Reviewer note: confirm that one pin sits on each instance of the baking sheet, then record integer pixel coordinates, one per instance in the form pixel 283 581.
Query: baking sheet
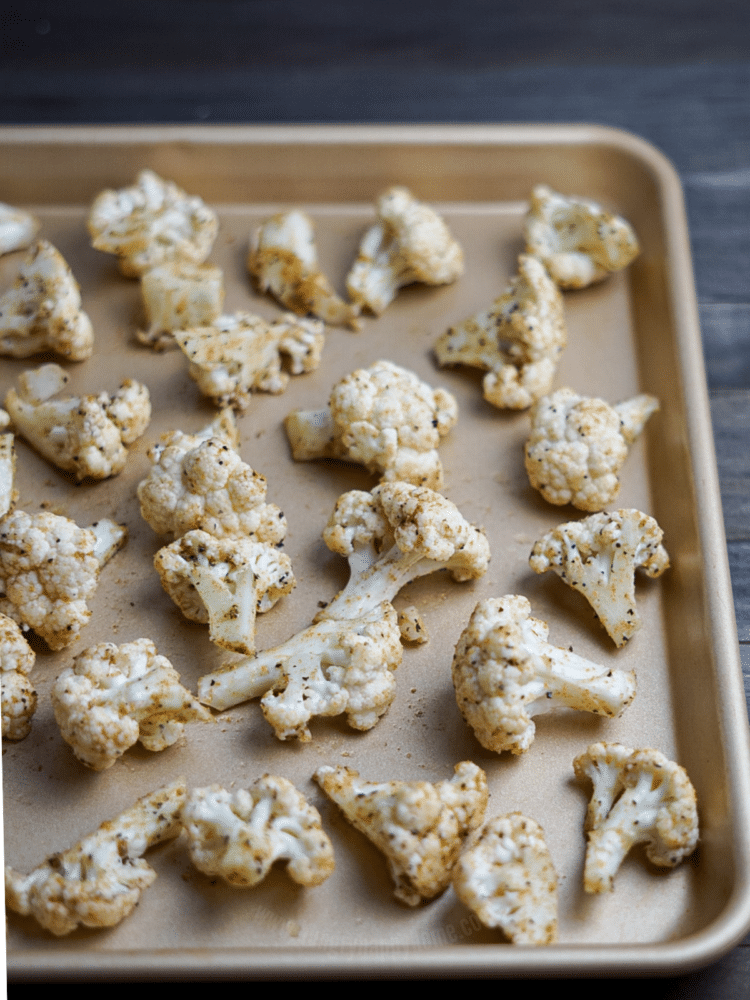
pixel 635 332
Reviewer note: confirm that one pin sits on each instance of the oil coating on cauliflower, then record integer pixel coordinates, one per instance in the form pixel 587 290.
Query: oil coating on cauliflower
pixel 240 835
pixel 383 417
pixel 419 826
pixel 99 880
pixel 85 435
pixel 517 340
pixel 410 242
pixel 112 697
pixel 150 223
pixel 18 695
pixel 578 445
pixel 178 296
pixel 238 355
pixel 578 242
pixel 42 311
pixel 17 228
pixel 508 879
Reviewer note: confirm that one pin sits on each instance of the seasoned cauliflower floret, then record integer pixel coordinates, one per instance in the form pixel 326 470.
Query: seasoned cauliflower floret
pixel 578 445
pixel 99 880
pixel 151 223
pixel 8 495
pixel 18 696
pixel 517 341
pixel 178 296
pixel 411 626
pixel 238 355
pixel 42 311
pixel 283 260
pixel 112 697
pixel 239 835
pixel 578 242
pixel 383 417
pixel 409 242
pixel 419 826
pixel 17 228
pixel 508 879
pixel 85 435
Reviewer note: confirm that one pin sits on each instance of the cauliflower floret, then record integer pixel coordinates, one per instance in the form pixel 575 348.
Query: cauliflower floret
pixel 578 445
pixel 598 557
pixel 178 296
pixel 412 626
pixel 639 797
pixel 283 260
pixel 112 697
pixel 384 417
pixel 419 826
pixel 508 879
pixel 8 495
pixel 18 696
pixel 238 355
pixel 99 880
pixel 151 223
pixel 576 239
pixel 225 582
pixel 81 434
pixel 42 311
pixel 49 567
pixel 239 835
pixel 409 242
pixel 17 228
pixel 505 672
pixel 517 341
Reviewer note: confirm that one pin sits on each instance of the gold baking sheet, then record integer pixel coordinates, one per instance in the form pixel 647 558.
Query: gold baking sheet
pixel 636 332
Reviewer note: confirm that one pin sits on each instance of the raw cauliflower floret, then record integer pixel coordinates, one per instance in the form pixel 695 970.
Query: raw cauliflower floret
pixel 383 417
pixel 409 242
pixel 508 879
pixel 178 296
pixel 151 223
pixel 99 880
pixel 578 445
pixel 42 311
pixel 283 260
pixel 85 435
pixel 578 242
pixel 419 826
pixel 114 696
pixel 640 796
pixel 598 557
pixel 505 672
pixel 224 582
pixel 239 835
pixel 517 341
pixel 17 228
pixel 49 567
pixel 238 355
pixel 18 695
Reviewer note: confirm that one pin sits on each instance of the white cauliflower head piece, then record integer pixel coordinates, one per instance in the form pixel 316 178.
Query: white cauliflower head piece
pixel 18 696
pixel 98 881
pixel 42 310
pixel 508 879
pixel 17 228
pixel 578 242
pixel 178 296
pixel 114 696
pixel 239 835
pixel 150 223
pixel 420 827
pixel 8 494
pixel 578 445
pixel 383 417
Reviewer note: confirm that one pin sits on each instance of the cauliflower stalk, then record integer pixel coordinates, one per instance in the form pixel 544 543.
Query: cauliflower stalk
pixel 578 445
pixel 99 880
pixel 385 418
pixel 410 242
pixel 640 797
pixel 240 835
pixel 419 826
pixel 179 296
pixel 114 696
pixel 18 695
pixel 17 228
pixel 598 557
pixel 505 672
pixel 517 340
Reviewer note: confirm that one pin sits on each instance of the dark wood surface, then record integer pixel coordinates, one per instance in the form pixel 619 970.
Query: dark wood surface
pixel 676 72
